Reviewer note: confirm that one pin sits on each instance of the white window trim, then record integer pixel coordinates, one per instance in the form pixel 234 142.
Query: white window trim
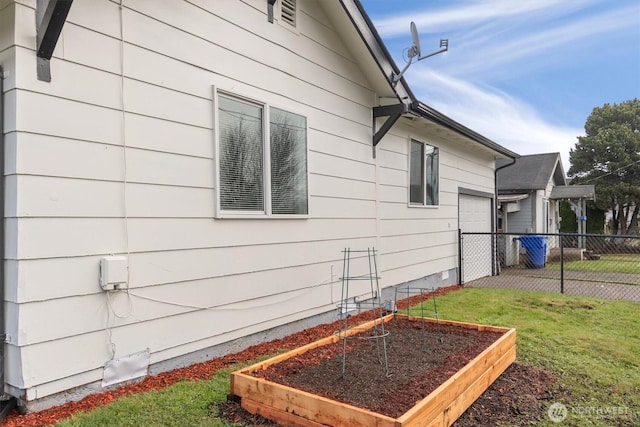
pixel 415 205
pixel 220 213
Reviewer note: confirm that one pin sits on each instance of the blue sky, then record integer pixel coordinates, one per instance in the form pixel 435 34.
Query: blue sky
pixel 525 74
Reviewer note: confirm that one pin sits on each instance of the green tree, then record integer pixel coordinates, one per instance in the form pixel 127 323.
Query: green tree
pixel 569 224
pixel 595 219
pixel 608 156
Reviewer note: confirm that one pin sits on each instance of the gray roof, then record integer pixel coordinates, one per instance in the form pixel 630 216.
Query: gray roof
pixel 531 172
pixel 564 192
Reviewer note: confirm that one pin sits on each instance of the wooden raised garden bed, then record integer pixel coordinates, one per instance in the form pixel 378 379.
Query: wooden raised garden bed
pixel 441 407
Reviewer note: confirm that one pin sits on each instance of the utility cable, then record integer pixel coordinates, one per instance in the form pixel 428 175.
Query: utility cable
pixel 110 308
pixel 226 307
pixel 614 171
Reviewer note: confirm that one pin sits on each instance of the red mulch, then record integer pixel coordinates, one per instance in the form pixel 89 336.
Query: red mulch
pixel 199 371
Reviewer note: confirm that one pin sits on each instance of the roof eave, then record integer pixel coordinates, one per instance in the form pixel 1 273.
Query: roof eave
pixel 421 109
pixel 361 21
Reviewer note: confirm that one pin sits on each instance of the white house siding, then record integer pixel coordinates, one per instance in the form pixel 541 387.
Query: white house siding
pixel 553 214
pixel 421 241
pixel 543 222
pixel 194 281
pixel 7 40
pixel 541 197
pixel 116 156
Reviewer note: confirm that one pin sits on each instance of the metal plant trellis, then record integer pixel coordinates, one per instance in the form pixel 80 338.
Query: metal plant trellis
pixel 350 303
pixel 408 292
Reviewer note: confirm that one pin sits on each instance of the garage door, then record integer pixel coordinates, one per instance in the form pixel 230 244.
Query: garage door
pixel 474 216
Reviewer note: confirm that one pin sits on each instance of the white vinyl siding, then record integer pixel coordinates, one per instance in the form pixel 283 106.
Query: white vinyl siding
pixel 135 174
pixel 422 242
pixel 117 155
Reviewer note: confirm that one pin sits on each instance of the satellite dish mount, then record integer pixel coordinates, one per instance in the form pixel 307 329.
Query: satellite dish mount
pixel 414 53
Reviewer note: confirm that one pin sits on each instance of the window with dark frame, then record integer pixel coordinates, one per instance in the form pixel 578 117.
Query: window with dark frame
pixel 259 174
pixel 423 174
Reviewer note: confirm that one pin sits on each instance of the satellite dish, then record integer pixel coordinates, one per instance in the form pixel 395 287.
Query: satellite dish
pixel 415 49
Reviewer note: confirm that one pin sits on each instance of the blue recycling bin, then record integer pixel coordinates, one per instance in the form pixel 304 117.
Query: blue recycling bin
pixel 536 247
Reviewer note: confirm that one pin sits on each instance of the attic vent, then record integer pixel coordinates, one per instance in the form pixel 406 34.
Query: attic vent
pixel 288 12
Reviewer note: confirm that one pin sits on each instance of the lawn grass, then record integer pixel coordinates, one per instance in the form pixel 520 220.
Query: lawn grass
pixel 593 346
pixel 616 263
pixel 186 403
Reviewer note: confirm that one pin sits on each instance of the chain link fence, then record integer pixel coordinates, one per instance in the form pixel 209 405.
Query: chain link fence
pixel 594 265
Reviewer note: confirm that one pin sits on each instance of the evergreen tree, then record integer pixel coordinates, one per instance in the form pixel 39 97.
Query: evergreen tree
pixel 608 156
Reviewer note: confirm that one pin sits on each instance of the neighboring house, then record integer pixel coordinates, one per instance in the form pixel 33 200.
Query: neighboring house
pixel 206 162
pixel 530 189
pixel 524 193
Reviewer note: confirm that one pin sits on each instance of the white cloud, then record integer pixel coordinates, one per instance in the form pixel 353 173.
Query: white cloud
pixel 536 47
pixel 489 51
pixel 459 17
pixel 494 114
pixel 486 37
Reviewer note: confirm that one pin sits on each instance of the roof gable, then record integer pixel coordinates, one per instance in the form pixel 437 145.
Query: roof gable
pixel 532 172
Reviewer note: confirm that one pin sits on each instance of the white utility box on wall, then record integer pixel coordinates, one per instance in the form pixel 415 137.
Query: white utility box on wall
pixel 113 272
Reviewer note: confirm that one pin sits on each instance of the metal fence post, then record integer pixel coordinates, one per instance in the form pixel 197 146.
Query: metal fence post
pixel 494 253
pixel 561 263
pixel 460 257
